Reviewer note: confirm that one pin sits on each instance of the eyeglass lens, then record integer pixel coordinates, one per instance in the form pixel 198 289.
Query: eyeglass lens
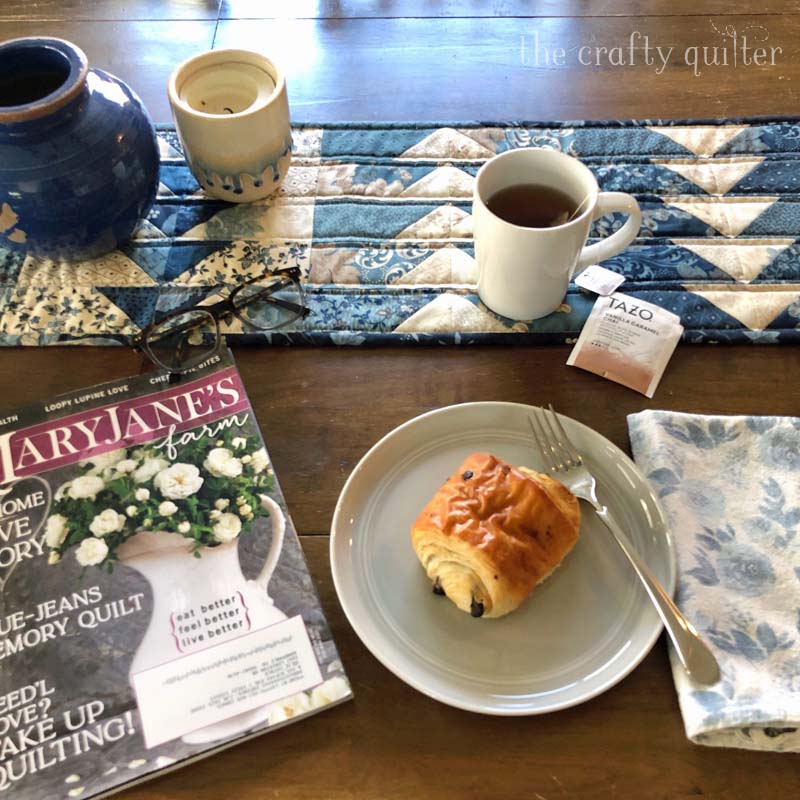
pixel 183 341
pixel 272 303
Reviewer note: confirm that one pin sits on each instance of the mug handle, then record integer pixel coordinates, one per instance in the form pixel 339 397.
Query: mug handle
pixel 278 529
pixel 608 202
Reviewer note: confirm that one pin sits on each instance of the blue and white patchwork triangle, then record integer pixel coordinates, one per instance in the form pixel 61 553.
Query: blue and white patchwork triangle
pixel 377 217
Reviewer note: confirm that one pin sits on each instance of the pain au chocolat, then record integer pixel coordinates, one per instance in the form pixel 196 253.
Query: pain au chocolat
pixel 492 532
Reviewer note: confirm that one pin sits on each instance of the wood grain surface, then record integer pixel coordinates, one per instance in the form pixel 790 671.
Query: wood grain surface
pixel 141 53
pixel 486 69
pixel 134 10
pixel 385 9
pixel 321 409
pixel 391 9
pixel 466 68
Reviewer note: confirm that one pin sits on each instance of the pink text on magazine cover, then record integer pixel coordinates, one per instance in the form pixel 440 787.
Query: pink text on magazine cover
pixel 168 416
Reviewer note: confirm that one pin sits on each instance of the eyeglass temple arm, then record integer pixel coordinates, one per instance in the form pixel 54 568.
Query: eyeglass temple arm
pixel 266 294
pixel 182 346
pixel 120 338
pixel 288 305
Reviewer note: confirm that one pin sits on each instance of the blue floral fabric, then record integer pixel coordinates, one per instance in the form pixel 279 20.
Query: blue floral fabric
pixel 378 219
pixel 730 487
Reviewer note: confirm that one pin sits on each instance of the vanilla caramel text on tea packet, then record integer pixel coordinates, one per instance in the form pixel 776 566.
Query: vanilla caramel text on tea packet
pixel 627 341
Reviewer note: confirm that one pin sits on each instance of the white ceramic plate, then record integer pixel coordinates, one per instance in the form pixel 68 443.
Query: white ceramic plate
pixel 578 633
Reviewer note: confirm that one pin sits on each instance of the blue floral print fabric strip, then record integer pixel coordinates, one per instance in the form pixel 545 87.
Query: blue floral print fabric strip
pixel 378 219
pixel 730 487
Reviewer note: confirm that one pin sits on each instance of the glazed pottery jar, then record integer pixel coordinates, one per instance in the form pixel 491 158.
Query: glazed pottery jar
pixel 232 116
pixel 78 153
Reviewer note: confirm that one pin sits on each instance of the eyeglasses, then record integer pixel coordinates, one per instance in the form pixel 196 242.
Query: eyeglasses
pixel 182 340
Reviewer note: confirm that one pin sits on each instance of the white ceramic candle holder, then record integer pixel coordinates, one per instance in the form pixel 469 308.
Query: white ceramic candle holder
pixel 232 115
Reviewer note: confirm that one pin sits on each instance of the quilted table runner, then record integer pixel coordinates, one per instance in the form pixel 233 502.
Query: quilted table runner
pixel 377 216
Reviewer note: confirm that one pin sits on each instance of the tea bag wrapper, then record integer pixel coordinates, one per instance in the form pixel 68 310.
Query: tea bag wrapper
pixel 599 280
pixel 627 341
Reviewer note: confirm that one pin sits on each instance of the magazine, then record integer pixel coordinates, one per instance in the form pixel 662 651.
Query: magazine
pixel 155 604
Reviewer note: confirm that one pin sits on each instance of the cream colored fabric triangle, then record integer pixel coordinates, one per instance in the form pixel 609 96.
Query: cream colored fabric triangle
pixel 730 216
pixel 715 176
pixel 448 265
pixel 78 311
pixel 306 143
pixel 449 313
pixel 702 140
pixel 754 306
pixel 112 269
pixel 226 265
pixel 444 222
pixel 447 143
pixel 333 264
pixel 262 220
pixel 164 190
pixel 744 261
pixel 442 182
pixel 336 180
pixel 146 230
pixel 166 151
pixel 486 137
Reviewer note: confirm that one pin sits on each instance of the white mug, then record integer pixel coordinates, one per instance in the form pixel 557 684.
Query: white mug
pixel 232 116
pixel 523 273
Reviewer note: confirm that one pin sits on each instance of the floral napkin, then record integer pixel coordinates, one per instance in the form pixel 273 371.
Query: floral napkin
pixel 730 487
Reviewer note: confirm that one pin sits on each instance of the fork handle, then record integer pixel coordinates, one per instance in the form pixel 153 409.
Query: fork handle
pixel 693 653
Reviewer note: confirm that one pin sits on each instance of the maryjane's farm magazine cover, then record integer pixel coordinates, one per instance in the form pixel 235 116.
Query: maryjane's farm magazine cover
pixel 155 604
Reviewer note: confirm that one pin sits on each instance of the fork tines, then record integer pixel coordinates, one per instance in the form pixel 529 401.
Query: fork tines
pixel 557 451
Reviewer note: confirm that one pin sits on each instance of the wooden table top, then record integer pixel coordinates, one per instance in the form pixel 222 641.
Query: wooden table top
pixel 321 409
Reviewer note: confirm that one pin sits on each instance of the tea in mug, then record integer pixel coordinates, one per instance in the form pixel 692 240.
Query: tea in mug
pixel 532 205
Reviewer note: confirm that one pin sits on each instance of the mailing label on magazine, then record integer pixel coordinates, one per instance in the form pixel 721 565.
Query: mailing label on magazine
pixel 220 682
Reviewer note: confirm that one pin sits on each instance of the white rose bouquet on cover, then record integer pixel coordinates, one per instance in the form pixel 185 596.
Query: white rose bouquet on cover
pixel 209 494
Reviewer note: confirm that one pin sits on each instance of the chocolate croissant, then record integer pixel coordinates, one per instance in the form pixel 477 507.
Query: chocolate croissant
pixel 493 532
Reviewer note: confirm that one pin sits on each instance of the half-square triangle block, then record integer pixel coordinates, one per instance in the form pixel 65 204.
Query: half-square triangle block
pixel 442 182
pixel 743 260
pixel 730 216
pixel 448 265
pixel 702 140
pixel 449 313
pixel 754 306
pixel 444 222
pixel 447 143
pixel 111 269
pixel 715 176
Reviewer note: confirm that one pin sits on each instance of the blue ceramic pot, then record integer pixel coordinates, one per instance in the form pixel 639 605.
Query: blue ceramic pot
pixel 78 153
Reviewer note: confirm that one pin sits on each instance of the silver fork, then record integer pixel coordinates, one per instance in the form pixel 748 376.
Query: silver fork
pixel 565 462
